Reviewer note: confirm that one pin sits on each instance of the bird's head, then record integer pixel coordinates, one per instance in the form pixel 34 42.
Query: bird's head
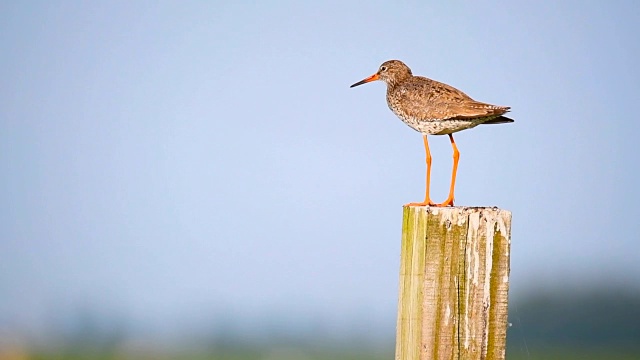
pixel 390 72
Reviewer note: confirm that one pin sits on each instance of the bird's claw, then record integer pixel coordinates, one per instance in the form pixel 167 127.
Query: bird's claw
pixel 448 202
pixel 426 203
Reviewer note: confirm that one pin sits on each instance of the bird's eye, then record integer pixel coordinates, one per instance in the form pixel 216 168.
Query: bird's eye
pixel 383 68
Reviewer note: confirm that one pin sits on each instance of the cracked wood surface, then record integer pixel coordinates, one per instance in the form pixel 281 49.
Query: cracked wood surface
pixel 454 282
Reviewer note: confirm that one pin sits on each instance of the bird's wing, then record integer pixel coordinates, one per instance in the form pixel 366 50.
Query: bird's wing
pixel 432 100
pixel 428 99
pixel 474 109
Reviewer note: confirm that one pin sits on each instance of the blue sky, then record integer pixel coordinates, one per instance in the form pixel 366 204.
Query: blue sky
pixel 169 160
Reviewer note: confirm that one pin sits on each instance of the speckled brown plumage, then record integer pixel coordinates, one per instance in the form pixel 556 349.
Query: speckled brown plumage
pixel 429 106
pixel 433 108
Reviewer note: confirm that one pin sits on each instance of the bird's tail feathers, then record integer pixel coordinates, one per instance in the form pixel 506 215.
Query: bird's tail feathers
pixel 499 120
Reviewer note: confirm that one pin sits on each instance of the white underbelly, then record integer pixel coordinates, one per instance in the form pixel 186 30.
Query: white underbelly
pixel 442 127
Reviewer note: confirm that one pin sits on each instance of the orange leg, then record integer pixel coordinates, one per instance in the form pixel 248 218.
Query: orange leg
pixel 427 200
pixel 456 156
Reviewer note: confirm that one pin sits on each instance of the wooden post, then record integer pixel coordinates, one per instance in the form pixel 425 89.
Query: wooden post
pixel 454 282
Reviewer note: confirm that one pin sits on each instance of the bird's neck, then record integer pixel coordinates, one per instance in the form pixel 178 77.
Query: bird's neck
pixel 392 83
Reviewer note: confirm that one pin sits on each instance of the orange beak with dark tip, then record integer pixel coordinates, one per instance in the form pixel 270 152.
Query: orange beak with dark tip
pixel 371 78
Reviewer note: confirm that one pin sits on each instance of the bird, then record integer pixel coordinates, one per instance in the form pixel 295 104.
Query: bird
pixel 433 108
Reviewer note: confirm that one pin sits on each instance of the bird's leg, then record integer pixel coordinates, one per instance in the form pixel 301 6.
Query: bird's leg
pixel 456 156
pixel 427 200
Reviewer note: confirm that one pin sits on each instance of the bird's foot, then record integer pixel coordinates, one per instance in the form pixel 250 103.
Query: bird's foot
pixel 425 203
pixel 448 202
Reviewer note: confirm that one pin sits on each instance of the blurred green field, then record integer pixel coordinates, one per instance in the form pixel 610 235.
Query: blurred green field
pixel 600 324
pixel 575 354
pixel 302 354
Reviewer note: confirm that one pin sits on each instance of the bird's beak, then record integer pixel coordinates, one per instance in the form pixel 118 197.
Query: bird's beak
pixel 371 78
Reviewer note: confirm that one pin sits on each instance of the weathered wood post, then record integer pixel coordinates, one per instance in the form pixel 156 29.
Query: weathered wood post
pixel 454 282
